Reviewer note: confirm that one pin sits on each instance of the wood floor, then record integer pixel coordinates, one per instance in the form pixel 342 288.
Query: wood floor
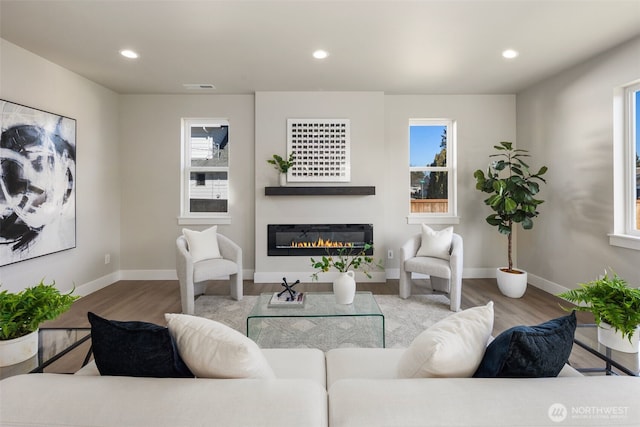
pixel 148 300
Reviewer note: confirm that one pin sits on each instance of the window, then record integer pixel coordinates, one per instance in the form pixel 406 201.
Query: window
pixel 432 169
pixel 627 167
pixel 205 169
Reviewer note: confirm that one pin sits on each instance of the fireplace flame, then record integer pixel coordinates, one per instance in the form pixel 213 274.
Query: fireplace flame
pixel 321 243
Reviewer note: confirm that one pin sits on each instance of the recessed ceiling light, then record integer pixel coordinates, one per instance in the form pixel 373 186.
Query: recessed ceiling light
pixel 510 54
pixel 320 54
pixel 128 53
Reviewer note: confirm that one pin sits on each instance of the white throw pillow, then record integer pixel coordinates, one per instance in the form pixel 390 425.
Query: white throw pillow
pixel 203 244
pixel 451 348
pixel 213 350
pixel 436 244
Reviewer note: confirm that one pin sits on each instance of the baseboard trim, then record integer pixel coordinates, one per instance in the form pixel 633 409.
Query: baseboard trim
pixel 546 285
pixel 271 277
pixel 148 275
pixel 96 285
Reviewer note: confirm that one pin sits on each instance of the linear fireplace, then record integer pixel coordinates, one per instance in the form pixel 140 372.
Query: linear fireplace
pixel 317 239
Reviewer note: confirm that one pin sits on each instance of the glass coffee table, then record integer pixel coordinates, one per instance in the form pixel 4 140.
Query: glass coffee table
pixel 53 345
pixel 320 323
pixel 615 362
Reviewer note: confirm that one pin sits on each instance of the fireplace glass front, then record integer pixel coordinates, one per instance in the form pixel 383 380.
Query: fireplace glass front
pixel 317 239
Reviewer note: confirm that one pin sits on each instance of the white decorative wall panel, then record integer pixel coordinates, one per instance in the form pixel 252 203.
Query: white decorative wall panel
pixel 322 150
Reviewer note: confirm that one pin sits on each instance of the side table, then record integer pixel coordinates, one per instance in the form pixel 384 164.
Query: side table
pixel 586 337
pixel 53 345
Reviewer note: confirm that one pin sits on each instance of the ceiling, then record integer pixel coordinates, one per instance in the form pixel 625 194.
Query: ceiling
pixel 398 47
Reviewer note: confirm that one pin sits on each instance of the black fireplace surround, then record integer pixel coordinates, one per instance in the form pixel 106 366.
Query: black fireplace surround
pixel 317 239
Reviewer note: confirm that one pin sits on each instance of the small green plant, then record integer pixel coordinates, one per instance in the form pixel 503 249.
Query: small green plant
pixel 346 259
pixel 22 313
pixel 280 164
pixel 512 187
pixel 611 301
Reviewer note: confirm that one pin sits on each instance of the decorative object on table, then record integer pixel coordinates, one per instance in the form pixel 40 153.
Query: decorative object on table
pixel 513 188
pixel 346 261
pixel 282 165
pixel 288 297
pixel 615 307
pixel 280 299
pixel 326 147
pixel 37 181
pixel 21 315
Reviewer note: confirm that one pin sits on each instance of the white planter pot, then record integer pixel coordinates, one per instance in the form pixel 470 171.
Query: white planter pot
pixel 344 288
pixel 512 285
pixel 19 349
pixel 614 339
pixel 283 179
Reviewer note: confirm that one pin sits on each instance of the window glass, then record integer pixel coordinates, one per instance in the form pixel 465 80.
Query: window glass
pixel 429 167
pixel 205 190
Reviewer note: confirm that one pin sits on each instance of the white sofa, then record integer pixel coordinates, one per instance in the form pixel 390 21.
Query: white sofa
pixel 344 387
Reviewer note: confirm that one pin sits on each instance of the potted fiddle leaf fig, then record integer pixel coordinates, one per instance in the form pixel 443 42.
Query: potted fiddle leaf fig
pixel 615 307
pixel 512 189
pixel 282 165
pixel 22 313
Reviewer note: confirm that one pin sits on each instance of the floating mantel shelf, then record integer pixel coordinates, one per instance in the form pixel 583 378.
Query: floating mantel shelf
pixel 320 191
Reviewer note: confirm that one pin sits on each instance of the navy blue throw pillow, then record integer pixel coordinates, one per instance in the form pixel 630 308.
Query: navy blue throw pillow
pixel 530 351
pixel 135 349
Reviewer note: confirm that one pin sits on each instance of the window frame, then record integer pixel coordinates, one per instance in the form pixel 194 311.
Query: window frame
pixel 186 216
pixel 625 234
pixel 451 216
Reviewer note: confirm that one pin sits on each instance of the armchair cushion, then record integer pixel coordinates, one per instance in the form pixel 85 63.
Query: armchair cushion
pixel 203 244
pixel 135 349
pixel 530 352
pixel 210 268
pixel 213 350
pixel 432 266
pixel 453 347
pixel 434 243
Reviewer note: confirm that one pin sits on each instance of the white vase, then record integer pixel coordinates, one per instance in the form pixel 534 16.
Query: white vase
pixel 18 349
pixel 283 179
pixel 613 339
pixel 512 285
pixel 344 288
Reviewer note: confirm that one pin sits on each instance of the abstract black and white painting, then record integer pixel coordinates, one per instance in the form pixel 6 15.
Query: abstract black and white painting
pixel 37 183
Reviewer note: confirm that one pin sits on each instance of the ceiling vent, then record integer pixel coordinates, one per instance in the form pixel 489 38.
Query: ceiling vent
pixel 199 86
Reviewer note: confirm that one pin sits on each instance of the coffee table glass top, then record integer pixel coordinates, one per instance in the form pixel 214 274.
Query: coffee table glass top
pixel 586 336
pixel 53 344
pixel 360 323
pixel 320 304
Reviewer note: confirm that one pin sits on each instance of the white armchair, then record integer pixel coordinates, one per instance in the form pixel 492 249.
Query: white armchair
pixel 192 276
pixel 445 275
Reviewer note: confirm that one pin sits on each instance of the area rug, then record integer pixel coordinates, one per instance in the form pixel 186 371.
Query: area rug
pixel 404 320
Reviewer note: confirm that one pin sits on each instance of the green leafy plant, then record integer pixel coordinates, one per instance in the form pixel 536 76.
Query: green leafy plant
pixel 346 259
pixel 512 187
pixel 22 313
pixel 280 164
pixel 611 301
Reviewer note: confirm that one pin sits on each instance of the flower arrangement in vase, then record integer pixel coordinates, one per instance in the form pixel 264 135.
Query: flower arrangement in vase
pixel 346 261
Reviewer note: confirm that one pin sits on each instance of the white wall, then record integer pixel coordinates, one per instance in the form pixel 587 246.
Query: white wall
pixel 30 80
pixel 567 124
pixel 368 163
pixel 481 121
pixel 150 135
